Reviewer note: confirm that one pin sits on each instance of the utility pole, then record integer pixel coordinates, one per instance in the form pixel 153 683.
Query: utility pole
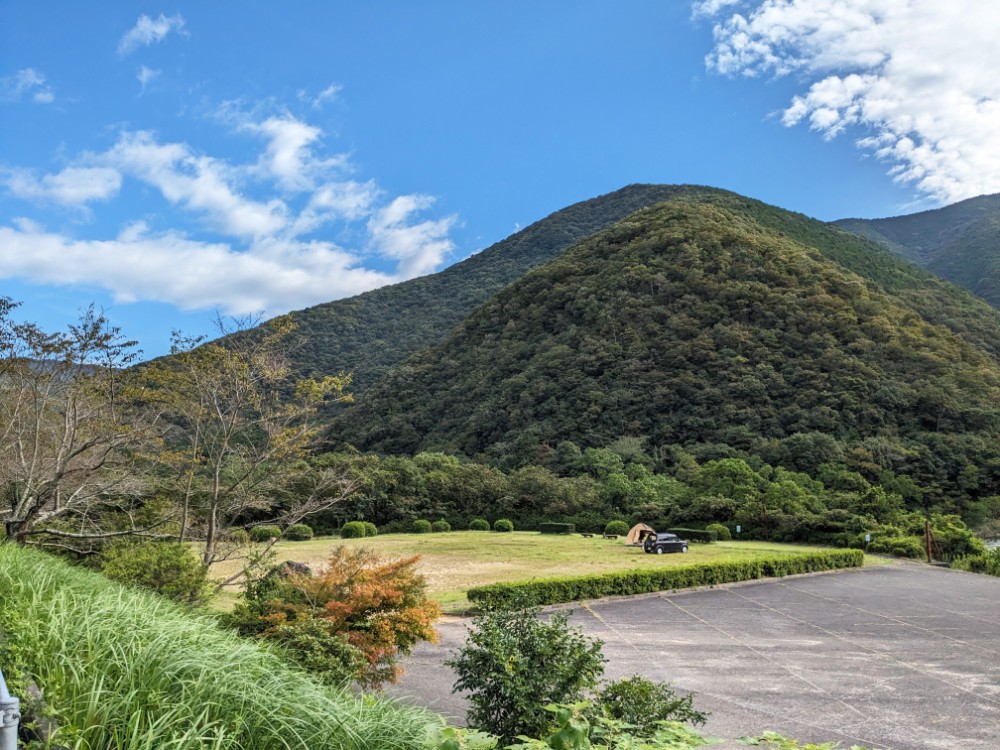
pixel 10 717
pixel 928 537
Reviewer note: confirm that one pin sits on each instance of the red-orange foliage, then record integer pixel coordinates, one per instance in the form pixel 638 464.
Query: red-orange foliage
pixel 380 606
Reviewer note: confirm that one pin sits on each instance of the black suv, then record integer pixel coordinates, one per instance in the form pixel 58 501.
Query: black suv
pixel 664 542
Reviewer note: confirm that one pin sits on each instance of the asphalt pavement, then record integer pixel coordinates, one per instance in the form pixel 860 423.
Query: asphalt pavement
pixel 905 657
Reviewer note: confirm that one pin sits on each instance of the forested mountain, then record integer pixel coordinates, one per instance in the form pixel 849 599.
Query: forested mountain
pixel 722 324
pixel 960 242
pixel 367 334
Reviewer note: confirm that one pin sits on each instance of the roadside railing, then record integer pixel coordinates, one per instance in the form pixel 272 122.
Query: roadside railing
pixel 10 717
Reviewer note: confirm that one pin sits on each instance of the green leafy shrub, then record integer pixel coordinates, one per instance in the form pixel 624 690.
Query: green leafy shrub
pixel 420 526
pixel 169 568
pixel 299 532
pixel 239 537
pixel 440 526
pixel 353 530
pixel 722 533
pixel 370 528
pixel 319 647
pixel 649 580
pixel 556 528
pixel 503 525
pixel 616 528
pixel 264 533
pixel 988 563
pixel 643 704
pixel 513 664
pixel 479 524
pixel 696 535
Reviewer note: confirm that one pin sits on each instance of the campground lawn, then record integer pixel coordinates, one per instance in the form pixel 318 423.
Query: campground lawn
pixel 454 562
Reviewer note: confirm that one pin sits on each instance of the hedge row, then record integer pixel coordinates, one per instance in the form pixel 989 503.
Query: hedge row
pixel 558 590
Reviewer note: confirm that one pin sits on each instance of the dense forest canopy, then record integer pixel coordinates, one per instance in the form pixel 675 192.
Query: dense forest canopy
pixel 722 325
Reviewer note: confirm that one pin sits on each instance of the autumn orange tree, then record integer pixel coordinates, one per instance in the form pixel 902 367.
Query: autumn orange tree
pixel 377 608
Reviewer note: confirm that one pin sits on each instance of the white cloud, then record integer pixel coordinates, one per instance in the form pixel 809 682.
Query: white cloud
pixel 419 247
pixel 272 275
pixel 149 31
pixel 73 186
pixel 272 259
pixel 26 81
pixel 145 75
pixel 326 95
pixel 917 76
pixel 197 183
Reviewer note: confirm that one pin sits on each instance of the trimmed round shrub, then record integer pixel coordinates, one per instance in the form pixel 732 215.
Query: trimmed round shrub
pixel 722 532
pixel 169 568
pixel 644 703
pixel 370 528
pixel 299 532
pixel 503 525
pixel 619 528
pixel 441 525
pixel 479 524
pixel 353 530
pixel 239 537
pixel 420 526
pixel 263 533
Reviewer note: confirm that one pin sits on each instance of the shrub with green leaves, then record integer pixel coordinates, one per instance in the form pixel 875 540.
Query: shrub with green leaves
pixel 721 532
pixel 264 533
pixel 549 527
pixel 169 568
pixel 239 537
pixel 644 703
pixel 479 524
pixel 420 526
pixel 512 665
pixel 504 525
pixel 299 532
pixel 441 526
pixel 370 528
pixel 616 528
pixel 353 530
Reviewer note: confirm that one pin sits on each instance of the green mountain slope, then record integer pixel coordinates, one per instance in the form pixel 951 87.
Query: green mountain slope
pixel 960 243
pixel 710 320
pixel 367 334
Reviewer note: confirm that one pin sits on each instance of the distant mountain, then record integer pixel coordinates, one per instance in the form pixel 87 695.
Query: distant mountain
pixel 710 320
pixel 960 242
pixel 367 334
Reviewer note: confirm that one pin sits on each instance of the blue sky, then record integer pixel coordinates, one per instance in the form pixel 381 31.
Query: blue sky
pixel 172 162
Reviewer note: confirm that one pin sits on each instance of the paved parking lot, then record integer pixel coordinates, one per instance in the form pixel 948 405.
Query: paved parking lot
pixel 904 657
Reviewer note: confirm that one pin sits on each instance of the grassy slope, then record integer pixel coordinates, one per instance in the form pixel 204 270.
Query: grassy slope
pixel 128 670
pixel 456 561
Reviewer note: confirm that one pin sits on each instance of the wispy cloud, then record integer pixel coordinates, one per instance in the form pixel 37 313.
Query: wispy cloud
pixel 149 31
pixel 916 77
pixel 26 82
pixel 270 211
pixel 326 95
pixel 145 75
pixel 73 186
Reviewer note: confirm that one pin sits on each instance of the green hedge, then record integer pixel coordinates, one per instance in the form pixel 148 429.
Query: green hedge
pixel 299 532
pixel 264 533
pixel 557 590
pixel 353 530
pixel 696 535
pixel 556 528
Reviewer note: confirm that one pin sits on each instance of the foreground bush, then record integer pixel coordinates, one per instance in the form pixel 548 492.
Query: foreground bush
pixel 643 704
pixel 299 532
pixel 370 528
pixel 379 608
pixel 264 533
pixel 353 530
pixel 479 524
pixel 557 590
pixel 420 526
pixel 514 664
pixel 440 526
pixel 988 563
pixel 503 525
pixel 722 533
pixel 616 528
pixel 168 568
pixel 123 669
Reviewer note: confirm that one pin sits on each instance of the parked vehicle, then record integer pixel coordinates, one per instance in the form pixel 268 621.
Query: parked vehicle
pixel 664 542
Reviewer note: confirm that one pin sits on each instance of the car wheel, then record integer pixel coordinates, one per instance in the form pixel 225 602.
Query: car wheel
pixel 684 548
pixel 659 550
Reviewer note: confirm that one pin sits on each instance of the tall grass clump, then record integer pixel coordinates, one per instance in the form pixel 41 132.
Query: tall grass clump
pixel 124 669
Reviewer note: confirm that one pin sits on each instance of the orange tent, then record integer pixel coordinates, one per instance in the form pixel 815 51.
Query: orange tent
pixel 634 534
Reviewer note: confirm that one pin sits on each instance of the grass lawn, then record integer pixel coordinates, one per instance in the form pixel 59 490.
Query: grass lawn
pixel 455 561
